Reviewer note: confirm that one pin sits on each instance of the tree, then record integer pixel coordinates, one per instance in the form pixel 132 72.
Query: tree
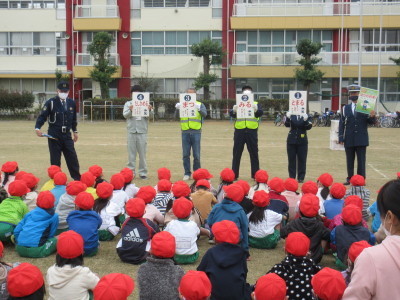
pixel 149 84
pixel 102 71
pixel 309 74
pixel 397 62
pixel 61 77
pixel 212 54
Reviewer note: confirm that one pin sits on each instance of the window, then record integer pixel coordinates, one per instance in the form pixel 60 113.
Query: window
pixel 135 9
pixel 180 3
pixel 372 41
pixel 216 8
pixel 61 45
pixel 28 4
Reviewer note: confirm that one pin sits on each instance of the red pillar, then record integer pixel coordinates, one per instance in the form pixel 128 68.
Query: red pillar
pixel 124 48
pixel 228 43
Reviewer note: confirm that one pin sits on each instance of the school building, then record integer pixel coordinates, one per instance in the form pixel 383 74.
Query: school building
pixel 152 39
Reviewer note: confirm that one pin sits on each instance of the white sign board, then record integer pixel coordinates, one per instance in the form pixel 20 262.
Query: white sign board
pixel 297 102
pixel 334 136
pixel 140 102
pixel 187 108
pixel 244 104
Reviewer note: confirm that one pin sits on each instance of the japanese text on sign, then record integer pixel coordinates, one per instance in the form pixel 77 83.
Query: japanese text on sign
pixel 188 105
pixel 244 104
pixel 141 103
pixel 297 102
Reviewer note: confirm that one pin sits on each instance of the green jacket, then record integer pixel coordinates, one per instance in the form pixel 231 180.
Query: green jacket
pixel 12 210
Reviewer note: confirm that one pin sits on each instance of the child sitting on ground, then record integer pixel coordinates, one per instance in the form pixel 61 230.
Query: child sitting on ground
pixel 338 220
pixel 34 235
pixel 185 232
pixel 163 195
pixel 195 285
pixel 68 278
pixel 136 233
pixel 114 286
pixel 86 222
pixel 334 206
pixel 9 169
pixel 278 202
pixel 130 188
pixel 201 174
pixel 160 268
pixel 26 282
pixel 49 184
pixel 354 251
pixel 32 184
pixel 358 188
pixel 147 193
pixel 203 199
pixel 246 203
pixel 97 172
pixel 270 287
pixel 261 179
pixel 292 196
pixel 374 212
pixel 119 197
pixel 227 177
pixel 328 284
pixel 60 185
pixel 311 187
pixel 89 179
pixel 324 181
pixel 4 270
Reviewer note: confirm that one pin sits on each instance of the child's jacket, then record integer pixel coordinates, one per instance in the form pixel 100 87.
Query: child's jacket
pixel 12 210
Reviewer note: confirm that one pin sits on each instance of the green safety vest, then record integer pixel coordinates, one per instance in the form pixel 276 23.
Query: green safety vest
pixel 192 123
pixel 251 123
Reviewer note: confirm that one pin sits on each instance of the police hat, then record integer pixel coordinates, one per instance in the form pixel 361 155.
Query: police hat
pixel 63 86
pixel 354 88
pixel 137 88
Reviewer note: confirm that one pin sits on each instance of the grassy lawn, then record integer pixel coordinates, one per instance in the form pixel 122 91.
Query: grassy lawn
pixel 104 143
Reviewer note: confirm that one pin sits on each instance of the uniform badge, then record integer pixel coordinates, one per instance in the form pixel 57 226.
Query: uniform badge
pixel 70 108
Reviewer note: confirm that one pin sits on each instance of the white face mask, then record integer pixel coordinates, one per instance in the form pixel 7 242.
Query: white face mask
pixel 63 95
pixel 387 232
pixel 247 92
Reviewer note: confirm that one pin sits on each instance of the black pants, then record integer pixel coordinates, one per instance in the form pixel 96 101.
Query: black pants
pixel 351 152
pixel 64 144
pixel 297 160
pixel 250 138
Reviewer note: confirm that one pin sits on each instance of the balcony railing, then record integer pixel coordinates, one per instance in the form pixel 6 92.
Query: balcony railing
pixel 85 59
pixel 288 8
pixel 328 58
pixel 96 11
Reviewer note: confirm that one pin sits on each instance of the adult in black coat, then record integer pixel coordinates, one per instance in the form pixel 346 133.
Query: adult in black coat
pixel 353 133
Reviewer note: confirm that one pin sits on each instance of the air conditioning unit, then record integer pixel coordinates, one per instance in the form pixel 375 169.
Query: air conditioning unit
pixel 47 49
pixel 252 59
pixel 24 49
pixel 289 58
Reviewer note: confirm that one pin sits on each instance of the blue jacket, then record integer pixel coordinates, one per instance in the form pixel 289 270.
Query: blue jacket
pixel 36 228
pixel 57 191
pixel 229 210
pixel 86 223
pixel 333 207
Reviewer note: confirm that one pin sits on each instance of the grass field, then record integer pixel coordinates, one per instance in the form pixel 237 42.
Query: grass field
pixel 105 144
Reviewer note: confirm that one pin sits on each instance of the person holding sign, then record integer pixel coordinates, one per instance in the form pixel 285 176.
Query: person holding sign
pixel 136 112
pixel 191 113
pixel 247 113
pixel 353 128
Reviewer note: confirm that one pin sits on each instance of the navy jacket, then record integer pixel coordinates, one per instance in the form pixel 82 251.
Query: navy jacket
pixel 225 264
pixel 353 128
pixel 298 130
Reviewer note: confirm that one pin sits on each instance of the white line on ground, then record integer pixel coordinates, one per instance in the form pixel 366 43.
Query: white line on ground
pixel 377 171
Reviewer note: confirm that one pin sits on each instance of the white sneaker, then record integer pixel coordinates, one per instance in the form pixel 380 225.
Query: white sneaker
pixel 186 177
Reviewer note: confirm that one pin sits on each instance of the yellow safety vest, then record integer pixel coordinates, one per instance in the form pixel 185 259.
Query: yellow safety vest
pixel 192 123
pixel 251 123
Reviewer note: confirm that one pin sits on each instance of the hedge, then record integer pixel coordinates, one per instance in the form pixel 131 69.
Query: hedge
pixel 16 102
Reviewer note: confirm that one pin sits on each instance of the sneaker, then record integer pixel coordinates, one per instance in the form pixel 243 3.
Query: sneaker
pixel 300 181
pixel 211 241
pixel 346 183
pixel 186 177
pixel 143 177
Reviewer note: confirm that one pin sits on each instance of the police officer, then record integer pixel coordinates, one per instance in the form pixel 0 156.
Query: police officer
pixel 353 133
pixel 60 112
pixel 246 133
pixel 297 144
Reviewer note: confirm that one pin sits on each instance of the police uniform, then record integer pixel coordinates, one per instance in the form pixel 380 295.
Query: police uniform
pixel 297 145
pixel 353 132
pixel 246 133
pixel 61 119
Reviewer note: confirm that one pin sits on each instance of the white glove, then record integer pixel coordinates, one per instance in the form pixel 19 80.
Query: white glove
pixel 235 108
pixel 288 114
pixel 198 106
pixel 255 107
pixel 305 117
pixel 178 105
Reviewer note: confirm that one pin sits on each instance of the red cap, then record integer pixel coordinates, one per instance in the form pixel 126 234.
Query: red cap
pixel 195 285
pixel 114 286
pixel 164 173
pixel 356 248
pixel 88 179
pixel 53 170
pixel 297 244
pixel 398 174
pixel 96 170
pixel 261 198
pixel 201 174
pixel 182 208
pixel 24 280
pixel 351 214
pixel 135 207
pixel 245 186
pixel 203 182
pixel 355 200
pixel 104 190
pixel 357 180
pixel 164 185
pixel 19 175
pixel 84 200
pixel 270 287
pixel 226 232
pixel 277 184
pixel 180 189
pixel 227 175
pixel 9 167
pixel 291 184
pixel 45 200
pixel 1 249
pixel 328 284
pixel 309 205
pixel 338 190
pixel 234 192
pixel 261 176
pixel 60 178
pixel 163 245
pixel 75 187
pixel 309 187
pixel 18 188
pixel 128 174
pixel 326 179
pixel 147 193
pixel 118 181
pixel 30 180
pixel 70 244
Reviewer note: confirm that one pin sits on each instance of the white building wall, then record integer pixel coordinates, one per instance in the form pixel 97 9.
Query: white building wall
pixel 15 20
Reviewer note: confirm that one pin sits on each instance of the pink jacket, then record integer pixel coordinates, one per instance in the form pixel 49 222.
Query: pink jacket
pixel 376 273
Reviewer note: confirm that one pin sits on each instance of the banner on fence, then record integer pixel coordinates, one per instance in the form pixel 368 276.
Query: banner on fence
pixel 244 104
pixel 297 102
pixel 140 102
pixel 366 100
pixel 188 105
